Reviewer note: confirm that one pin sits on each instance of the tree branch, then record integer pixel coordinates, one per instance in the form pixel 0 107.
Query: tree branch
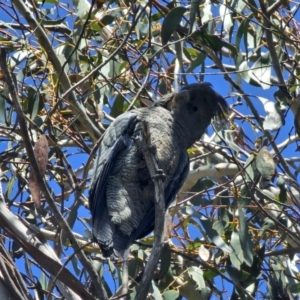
pixel 276 65
pixel 156 174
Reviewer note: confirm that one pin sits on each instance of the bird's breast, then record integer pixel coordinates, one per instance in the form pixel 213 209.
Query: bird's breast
pixel 130 190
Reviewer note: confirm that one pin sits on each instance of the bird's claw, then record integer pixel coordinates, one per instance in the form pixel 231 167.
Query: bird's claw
pixel 159 174
pixel 152 148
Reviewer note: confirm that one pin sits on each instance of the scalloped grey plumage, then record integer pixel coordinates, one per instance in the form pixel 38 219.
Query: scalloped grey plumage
pixel 122 192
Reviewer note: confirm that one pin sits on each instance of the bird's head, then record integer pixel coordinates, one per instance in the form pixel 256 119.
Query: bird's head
pixel 194 107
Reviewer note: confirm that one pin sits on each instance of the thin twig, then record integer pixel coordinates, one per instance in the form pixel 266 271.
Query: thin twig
pixel 273 53
pixel 40 180
pixel 125 276
pixel 251 106
pixel 43 40
pixel 108 59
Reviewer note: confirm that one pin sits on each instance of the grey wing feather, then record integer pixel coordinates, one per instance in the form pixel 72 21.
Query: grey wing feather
pixel 178 180
pixel 116 139
pixel 171 191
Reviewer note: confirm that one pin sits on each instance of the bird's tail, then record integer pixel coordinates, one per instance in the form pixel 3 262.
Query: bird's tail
pixel 110 239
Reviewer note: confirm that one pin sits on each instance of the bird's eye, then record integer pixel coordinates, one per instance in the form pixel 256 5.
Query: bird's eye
pixel 195 108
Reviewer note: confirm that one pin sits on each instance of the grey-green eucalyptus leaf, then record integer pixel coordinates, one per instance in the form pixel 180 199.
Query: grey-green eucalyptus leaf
pixel 237 255
pixel 245 238
pixel 170 22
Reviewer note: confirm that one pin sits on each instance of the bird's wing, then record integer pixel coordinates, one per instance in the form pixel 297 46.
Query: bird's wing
pixel 178 180
pixel 171 191
pixel 116 139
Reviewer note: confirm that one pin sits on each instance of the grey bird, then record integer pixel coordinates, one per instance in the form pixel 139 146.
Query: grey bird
pixel 121 196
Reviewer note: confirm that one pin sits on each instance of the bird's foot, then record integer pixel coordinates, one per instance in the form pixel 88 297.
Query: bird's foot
pixel 159 173
pixel 152 149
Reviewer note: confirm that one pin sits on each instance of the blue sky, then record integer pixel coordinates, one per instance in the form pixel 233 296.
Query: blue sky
pixel 220 85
